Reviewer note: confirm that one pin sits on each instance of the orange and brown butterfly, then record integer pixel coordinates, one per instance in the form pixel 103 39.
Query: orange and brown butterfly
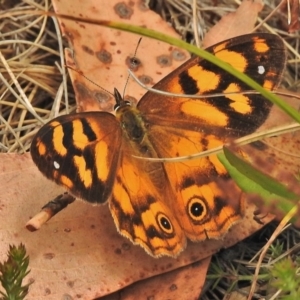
pixel 158 205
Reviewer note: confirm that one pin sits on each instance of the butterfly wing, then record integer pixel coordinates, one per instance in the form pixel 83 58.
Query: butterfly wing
pixel 261 56
pixel 183 126
pixel 141 205
pixel 80 152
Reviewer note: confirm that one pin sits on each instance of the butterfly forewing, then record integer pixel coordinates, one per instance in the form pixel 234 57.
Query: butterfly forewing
pixel 80 152
pixel 261 56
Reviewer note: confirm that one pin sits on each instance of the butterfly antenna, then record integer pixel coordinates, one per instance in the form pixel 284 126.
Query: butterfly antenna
pixel 133 63
pixel 93 82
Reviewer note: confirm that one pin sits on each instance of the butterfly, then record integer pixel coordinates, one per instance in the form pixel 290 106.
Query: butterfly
pixel 100 157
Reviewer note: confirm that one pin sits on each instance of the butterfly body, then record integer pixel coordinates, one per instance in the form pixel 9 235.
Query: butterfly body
pixel 159 205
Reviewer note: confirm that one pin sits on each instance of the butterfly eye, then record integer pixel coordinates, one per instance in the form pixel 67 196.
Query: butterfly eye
pixel 164 223
pixel 197 209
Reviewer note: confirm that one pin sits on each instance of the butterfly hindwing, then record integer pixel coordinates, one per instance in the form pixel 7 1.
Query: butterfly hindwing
pixel 203 209
pixel 142 206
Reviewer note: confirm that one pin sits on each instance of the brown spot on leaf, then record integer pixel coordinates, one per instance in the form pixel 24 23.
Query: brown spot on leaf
pixel 72 35
pixel 178 55
pixel 105 100
pixel 118 251
pixel 70 283
pixel 81 90
pixel 164 60
pixel 87 50
pixel 102 96
pixel 49 255
pixel 133 63
pixel 173 287
pixel 125 246
pixel 123 10
pixel 146 79
pixel 47 291
pixel 104 56
pixel 67 230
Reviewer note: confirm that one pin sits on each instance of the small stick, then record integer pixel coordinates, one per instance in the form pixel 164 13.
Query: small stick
pixel 49 210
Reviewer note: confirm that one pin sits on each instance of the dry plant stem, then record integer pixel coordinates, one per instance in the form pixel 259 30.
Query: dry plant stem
pixel 10 129
pixel 195 24
pixel 278 230
pixel 56 104
pixel 270 15
pixel 63 71
pixel 288 10
pixel 275 295
pixel 23 98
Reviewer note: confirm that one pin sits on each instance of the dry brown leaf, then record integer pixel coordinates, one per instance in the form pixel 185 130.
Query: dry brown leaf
pixel 278 156
pixel 102 54
pixel 185 283
pixel 80 252
pixel 237 23
pixel 281 151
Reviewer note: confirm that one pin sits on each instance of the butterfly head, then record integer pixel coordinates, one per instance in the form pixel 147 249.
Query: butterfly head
pixel 130 119
pixel 120 102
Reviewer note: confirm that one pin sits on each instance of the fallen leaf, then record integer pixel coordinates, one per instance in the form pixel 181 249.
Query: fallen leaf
pixel 80 252
pixel 184 283
pixel 103 54
pixel 237 23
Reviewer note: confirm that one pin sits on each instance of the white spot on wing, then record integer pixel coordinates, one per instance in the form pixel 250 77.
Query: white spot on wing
pixel 56 165
pixel 261 70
